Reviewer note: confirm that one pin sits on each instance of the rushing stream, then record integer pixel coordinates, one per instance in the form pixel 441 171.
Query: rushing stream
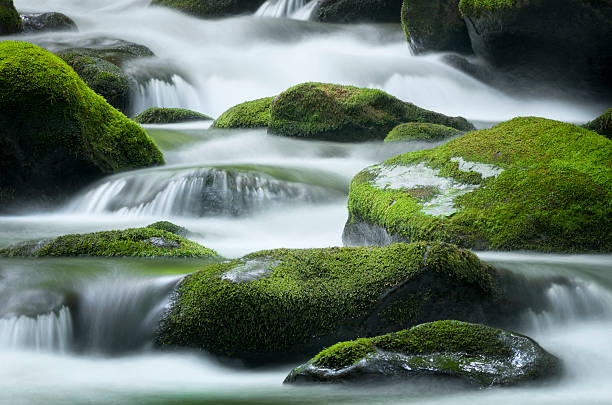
pixel 79 331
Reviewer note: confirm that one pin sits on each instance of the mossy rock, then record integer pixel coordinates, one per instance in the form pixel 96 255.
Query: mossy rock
pixel 528 183
pixel 475 354
pixel 150 241
pixel 102 76
pixel 358 11
pixel 417 131
pixel 602 124
pixel 158 115
pixel 10 21
pixel 170 227
pixel 251 114
pixel 435 26
pixel 57 134
pixel 47 22
pixel 211 8
pixel 283 304
pixel 346 113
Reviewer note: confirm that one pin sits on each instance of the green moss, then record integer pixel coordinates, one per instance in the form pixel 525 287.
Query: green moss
pixel 413 131
pixel 251 114
pixel 345 113
pixel 554 193
pixel 344 354
pixel 602 124
pixel 10 21
pixel 138 242
pixel 53 124
pixel 475 8
pixel 169 227
pixel 211 8
pixel 158 115
pixel 302 296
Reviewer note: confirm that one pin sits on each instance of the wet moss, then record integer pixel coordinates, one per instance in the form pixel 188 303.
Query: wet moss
pixel 151 241
pixel 170 227
pixel 10 21
pixel 602 124
pixel 299 299
pixel 346 113
pixel 413 131
pixel 475 8
pixel 251 114
pixel 553 194
pixel 158 115
pixel 57 133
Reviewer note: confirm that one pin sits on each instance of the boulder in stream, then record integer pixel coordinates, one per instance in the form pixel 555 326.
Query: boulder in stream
pixel 528 183
pixel 419 131
pixel 57 134
pixel 53 21
pixel 211 8
pixel 156 115
pixel 358 11
pixel 250 114
pixel 475 354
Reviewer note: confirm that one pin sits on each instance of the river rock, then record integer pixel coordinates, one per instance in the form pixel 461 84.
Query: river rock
pixel 211 8
pixel 150 241
pixel 351 11
pixel 57 134
pixel 528 183
pixel 47 22
pixel 602 124
pixel 435 25
pixel 346 113
pixel 10 22
pixel 475 354
pixel 250 114
pixel 418 131
pixel 545 40
pixel 158 115
pixel 283 304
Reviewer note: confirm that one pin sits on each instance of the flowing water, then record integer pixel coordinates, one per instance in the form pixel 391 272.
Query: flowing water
pixel 79 331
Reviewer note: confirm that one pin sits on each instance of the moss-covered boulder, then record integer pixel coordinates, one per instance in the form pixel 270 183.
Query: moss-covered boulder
pixel 156 115
pixel 528 183
pixel 476 354
pixel 417 131
pixel 562 41
pixel 435 26
pixel 602 124
pixel 56 134
pixel 211 8
pixel 281 304
pixel 170 227
pixel 10 21
pixel 150 241
pixel 251 114
pixel 350 11
pixel 346 113
pixel 47 22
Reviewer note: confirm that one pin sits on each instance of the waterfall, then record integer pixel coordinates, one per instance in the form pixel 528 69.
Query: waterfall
pixel 193 193
pixel 46 332
pixel 295 9
pixel 177 93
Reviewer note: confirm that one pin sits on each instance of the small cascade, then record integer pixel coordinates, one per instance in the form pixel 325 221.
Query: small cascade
pixel 193 193
pixel 46 332
pixel 295 9
pixel 175 93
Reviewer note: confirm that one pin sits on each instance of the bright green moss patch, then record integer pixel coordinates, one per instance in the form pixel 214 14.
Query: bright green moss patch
pixel 416 131
pixel 57 133
pixel 346 113
pixel 251 114
pixel 344 354
pixel 602 124
pixel 475 8
pixel 10 22
pixel 284 302
pixel 151 241
pixel 158 115
pixel 530 183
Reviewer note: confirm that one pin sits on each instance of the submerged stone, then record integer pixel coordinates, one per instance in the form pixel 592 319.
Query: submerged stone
pixel 529 183
pixel 158 115
pixel 57 134
pixel 476 354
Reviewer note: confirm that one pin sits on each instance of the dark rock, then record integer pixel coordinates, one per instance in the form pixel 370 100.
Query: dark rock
pixel 47 22
pixel 10 22
pixel 211 8
pixel 350 11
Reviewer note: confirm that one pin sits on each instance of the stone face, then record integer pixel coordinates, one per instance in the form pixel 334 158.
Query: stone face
pixel 346 113
pixel 435 25
pixel 475 354
pixel 49 148
pixel 283 304
pixel 558 40
pixel 10 22
pixel 351 11
pixel 528 183
pixel 47 22
pixel 211 8
pixel 157 115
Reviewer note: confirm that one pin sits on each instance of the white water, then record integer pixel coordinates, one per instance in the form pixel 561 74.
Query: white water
pixel 158 93
pixel 295 9
pixel 45 332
